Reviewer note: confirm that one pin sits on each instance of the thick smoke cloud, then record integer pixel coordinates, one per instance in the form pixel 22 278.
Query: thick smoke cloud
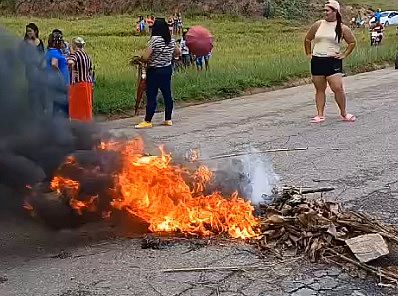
pixel 33 142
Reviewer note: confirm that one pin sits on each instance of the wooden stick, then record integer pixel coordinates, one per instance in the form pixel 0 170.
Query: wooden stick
pixel 268 151
pixel 259 152
pixel 385 274
pixel 362 227
pixel 229 268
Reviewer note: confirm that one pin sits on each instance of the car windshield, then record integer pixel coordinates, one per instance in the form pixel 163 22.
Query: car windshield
pixel 385 14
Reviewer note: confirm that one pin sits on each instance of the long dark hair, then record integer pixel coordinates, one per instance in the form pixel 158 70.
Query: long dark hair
pixel 55 40
pixel 34 28
pixel 339 26
pixel 161 28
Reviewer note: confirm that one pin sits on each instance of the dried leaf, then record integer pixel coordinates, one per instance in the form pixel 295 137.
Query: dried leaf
pixel 332 230
pixel 293 238
pixel 333 208
pixel 275 219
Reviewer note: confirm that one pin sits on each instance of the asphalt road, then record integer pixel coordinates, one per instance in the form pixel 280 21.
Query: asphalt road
pixel 359 159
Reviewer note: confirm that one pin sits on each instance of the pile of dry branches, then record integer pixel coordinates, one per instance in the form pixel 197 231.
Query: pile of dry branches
pixel 320 230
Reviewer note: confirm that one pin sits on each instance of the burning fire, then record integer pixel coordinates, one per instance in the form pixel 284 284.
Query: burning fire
pixel 70 189
pixel 169 197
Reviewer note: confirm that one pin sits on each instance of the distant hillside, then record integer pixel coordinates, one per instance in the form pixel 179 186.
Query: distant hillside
pixel 290 9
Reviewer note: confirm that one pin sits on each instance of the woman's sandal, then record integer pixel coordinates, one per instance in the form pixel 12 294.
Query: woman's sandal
pixel 348 118
pixel 318 119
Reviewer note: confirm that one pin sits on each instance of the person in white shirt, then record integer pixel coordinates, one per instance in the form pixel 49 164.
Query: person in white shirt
pixel 327 57
pixel 186 57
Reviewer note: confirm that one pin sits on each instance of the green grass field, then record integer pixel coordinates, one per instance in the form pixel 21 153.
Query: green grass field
pixel 246 55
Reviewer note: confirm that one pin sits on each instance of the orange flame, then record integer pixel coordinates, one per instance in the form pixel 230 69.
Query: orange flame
pixel 61 185
pixel 157 191
pixel 153 189
pixel 70 188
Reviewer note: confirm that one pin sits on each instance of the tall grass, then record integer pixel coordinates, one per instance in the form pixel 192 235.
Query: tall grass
pixel 247 54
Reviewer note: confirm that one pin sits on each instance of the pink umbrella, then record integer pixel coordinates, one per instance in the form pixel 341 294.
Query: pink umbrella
pixel 199 41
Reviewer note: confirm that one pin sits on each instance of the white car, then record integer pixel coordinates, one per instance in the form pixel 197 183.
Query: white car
pixel 387 18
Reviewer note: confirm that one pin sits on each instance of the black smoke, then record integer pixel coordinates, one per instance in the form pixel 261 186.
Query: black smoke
pixel 33 140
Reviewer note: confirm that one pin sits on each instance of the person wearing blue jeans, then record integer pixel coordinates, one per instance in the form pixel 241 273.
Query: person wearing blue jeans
pixel 159 54
pixel 159 78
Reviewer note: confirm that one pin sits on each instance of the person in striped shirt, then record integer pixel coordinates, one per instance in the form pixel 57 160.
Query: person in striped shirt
pixel 81 88
pixel 159 54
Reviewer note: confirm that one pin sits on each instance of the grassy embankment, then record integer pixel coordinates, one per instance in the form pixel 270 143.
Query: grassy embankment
pixel 247 54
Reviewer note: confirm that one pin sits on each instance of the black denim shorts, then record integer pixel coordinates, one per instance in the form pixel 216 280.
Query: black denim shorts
pixel 326 66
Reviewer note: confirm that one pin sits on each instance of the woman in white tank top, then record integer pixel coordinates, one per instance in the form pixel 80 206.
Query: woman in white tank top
pixel 323 48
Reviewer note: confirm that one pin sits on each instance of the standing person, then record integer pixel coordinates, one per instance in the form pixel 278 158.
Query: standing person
pixel 65 49
pixel 170 23
pixel 150 20
pixel 207 59
pixel 179 24
pixel 175 24
pixel 377 16
pixel 186 57
pixel 142 25
pixel 57 62
pixel 159 54
pixel 199 61
pixel 327 59
pixel 81 89
pixel 35 65
pixel 32 36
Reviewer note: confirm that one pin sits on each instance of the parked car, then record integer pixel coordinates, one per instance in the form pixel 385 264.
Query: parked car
pixel 387 18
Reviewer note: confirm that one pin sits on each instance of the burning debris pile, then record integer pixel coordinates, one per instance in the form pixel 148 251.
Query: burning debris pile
pixel 61 172
pixel 99 180
pixel 167 197
pixel 325 231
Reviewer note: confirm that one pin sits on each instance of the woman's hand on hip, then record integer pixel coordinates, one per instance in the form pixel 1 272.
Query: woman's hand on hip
pixel 340 56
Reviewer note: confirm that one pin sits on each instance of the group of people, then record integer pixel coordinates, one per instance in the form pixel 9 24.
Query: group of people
pixel 74 68
pixel 174 22
pixel 187 59
pixel 362 19
pixel 375 27
pixel 323 46
pixel 144 25
pixel 175 25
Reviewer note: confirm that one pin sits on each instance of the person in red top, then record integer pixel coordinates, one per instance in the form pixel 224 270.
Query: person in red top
pixel 81 88
pixel 379 28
